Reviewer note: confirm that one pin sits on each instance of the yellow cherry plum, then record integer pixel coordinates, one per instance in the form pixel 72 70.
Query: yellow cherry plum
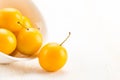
pixel 29 40
pixel 9 18
pixel 7 41
pixel 53 56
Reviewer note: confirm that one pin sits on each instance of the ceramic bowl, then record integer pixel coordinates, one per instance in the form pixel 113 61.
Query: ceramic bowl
pixel 29 9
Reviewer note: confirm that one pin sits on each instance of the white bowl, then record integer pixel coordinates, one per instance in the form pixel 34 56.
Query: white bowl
pixel 28 8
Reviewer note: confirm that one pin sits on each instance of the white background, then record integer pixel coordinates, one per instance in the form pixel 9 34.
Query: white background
pixel 93 48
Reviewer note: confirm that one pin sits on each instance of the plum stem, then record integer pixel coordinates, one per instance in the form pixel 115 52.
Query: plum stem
pixel 22 25
pixel 65 39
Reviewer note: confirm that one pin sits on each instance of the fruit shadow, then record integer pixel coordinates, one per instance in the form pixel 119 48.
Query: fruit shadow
pixel 26 69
